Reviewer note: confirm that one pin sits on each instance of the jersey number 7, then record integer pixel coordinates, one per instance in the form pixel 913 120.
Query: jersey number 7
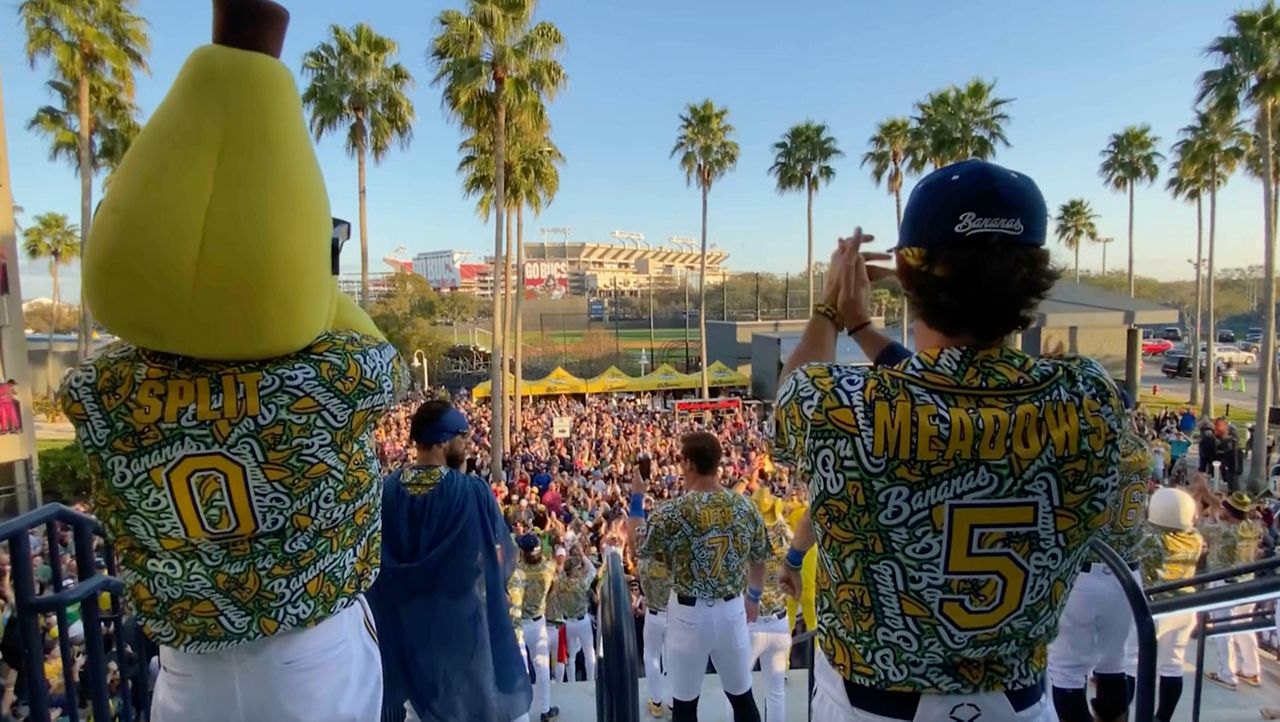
pixel 967 525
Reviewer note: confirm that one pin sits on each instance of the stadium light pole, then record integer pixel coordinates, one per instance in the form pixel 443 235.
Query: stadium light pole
pixel 686 244
pixel 564 237
pixel 420 359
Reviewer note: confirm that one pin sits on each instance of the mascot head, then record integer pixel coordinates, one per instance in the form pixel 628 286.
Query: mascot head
pixel 214 240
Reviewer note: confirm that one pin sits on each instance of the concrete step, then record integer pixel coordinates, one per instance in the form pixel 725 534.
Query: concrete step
pixel 577 701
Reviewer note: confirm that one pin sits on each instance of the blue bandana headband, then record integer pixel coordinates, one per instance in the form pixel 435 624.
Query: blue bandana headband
pixel 449 426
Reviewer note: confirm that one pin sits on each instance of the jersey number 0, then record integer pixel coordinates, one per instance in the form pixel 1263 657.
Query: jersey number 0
pixel 211 496
pixel 967 525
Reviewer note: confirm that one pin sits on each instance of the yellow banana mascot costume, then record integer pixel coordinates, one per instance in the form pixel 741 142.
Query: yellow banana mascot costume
pixel 228 431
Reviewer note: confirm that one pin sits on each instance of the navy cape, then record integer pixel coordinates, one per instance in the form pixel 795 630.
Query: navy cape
pixel 440 603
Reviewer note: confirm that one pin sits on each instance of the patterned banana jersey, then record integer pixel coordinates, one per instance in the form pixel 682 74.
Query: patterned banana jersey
pixel 418 480
pixel 537 580
pixel 243 498
pixel 1168 555
pixel 774 600
pixel 515 595
pixel 1128 508
pixel 707 539
pixel 655 583
pixel 953 497
pixel 576 588
pixel 1231 544
pixel 557 599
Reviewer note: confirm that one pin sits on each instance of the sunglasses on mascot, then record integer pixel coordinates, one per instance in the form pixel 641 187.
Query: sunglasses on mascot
pixel 341 234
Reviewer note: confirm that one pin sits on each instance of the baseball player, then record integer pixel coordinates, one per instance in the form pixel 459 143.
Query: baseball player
pixel 1096 633
pixel 555 617
pixel 1233 539
pixel 575 591
pixel 953 492
pixel 537 574
pixel 466 664
pixel 1170 551
pixel 770 634
pixel 714 543
pixel 655 585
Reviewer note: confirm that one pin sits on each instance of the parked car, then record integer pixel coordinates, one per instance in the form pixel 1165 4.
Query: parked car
pixel 1173 333
pixel 1254 334
pixel 1226 335
pixel 1230 352
pixel 1253 347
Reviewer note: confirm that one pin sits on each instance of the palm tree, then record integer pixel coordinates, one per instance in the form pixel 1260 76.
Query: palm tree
pixel 52 236
pixel 1186 181
pixel 1213 146
pixel 802 161
pixel 707 152
pixel 958 123
pixel 1248 57
pixel 86 39
pixel 114 125
pixel 492 59
pixel 1075 225
pixel 357 86
pixel 1131 158
pixel 890 145
pixel 533 181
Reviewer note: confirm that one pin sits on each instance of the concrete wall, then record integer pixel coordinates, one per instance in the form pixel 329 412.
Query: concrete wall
pixel 1106 344
pixel 64 358
pixel 730 342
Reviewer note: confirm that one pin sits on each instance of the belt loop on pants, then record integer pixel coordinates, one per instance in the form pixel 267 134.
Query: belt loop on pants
pixel 687 601
pixel 903 705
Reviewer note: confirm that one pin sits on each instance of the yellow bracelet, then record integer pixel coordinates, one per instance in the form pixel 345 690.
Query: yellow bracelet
pixel 830 313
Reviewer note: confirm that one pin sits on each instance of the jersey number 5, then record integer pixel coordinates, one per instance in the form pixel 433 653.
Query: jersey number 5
pixel 966 560
pixel 211 496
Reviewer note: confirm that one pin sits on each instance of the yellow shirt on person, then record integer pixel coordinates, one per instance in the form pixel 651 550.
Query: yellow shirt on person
pixel 952 499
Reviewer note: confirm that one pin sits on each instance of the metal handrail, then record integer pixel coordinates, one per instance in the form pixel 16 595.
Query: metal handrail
pixel 1220 575
pixel 28 606
pixel 617 681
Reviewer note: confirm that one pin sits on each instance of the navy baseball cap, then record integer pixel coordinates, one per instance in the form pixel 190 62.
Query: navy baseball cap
pixel 528 542
pixel 974 199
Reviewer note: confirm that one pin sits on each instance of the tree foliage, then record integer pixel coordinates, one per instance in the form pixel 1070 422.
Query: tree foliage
pixel 958 123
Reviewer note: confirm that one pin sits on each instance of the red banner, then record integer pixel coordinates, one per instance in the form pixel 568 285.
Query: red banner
pixel 701 405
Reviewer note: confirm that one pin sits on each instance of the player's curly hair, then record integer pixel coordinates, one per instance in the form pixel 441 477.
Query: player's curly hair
pixel 986 289
pixel 426 416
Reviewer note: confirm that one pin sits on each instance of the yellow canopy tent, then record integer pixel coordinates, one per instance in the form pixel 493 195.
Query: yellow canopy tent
pixel 613 379
pixel 665 377
pixel 485 388
pixel 557 382
pixel 720 375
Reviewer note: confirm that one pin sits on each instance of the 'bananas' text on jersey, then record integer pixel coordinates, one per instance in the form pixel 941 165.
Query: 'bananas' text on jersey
pixel 952 497
pixel 243 497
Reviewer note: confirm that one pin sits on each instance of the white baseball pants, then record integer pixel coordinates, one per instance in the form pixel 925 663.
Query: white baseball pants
pixel 1244 645
pixel 1093 631
pixel 831 703
pixel 1173 633
pixel 655 636
pixel 710 628
pixel 535 640
pixel 553 646
pixel 771 644
pixel 331 671
pixel 580 635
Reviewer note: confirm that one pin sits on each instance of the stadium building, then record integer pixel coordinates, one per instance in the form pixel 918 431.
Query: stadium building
pixel 578 269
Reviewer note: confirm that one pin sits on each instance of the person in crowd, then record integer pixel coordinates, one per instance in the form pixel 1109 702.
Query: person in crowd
pixel 446 558
pixel 1233 537
pixel 910 463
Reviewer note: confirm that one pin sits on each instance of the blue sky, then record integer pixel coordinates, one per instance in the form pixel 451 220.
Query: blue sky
pixel 1078 71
